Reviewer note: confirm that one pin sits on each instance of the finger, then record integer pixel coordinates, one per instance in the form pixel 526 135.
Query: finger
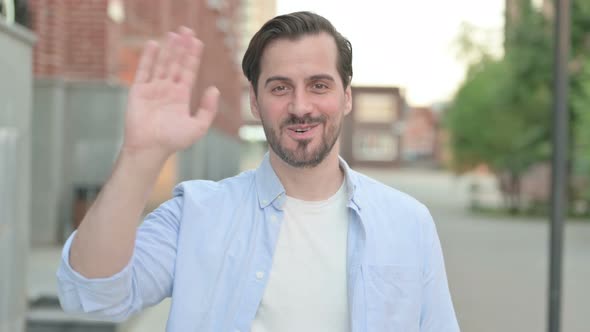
pixel 146 62
pixel 176 67
pixel 165 56
pixel 176 59
pixel 191 61
pixel 207 109
pixel 184 31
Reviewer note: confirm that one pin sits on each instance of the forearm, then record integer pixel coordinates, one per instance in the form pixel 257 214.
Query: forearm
pixel 105 239
pixel 159 121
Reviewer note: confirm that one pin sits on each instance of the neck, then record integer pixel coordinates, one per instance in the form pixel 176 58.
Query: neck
pixel 310 184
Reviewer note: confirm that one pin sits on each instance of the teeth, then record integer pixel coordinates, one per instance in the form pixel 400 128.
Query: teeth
pixel 301 130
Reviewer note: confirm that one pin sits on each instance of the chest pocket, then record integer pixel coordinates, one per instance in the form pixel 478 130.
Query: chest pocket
pixel 392 297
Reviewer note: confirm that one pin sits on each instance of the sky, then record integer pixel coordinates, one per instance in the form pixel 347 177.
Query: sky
pixel 409 44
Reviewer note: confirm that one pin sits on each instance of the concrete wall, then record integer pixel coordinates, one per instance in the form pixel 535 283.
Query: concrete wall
pixel 95 117
pixel 48 138
pixel 95 114
pixel 78 132
pixel 215 157
pixel 15 165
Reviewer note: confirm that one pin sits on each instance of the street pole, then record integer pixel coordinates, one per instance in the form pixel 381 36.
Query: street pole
pixel 559 178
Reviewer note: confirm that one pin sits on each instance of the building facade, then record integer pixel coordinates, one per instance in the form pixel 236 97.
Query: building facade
pixel 372 131
pixel 84 62
pixel 420 138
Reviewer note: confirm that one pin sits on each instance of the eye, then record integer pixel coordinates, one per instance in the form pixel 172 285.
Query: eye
pixel 280 89
pixel 319 87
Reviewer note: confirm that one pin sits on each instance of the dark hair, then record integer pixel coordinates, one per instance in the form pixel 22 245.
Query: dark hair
pixel 294 26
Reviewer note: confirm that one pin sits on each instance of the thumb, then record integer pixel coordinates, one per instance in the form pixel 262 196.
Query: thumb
pixel 207 108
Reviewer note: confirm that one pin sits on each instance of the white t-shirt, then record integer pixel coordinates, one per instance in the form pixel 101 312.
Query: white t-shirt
pixel 306 290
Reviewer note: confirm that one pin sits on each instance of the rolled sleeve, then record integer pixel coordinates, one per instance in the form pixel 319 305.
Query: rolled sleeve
pixel 146 280
pixel 78 294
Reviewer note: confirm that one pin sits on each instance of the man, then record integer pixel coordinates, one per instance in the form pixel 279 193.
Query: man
pixel 303 243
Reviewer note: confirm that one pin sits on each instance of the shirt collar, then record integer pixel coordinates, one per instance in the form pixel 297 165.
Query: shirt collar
pixel 271 191
pixel 351 184
pixel 268 185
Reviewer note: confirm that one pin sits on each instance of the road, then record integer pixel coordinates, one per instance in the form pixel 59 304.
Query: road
pixel 498 266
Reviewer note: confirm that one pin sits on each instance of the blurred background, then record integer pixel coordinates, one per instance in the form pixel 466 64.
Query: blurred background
pixel 452 104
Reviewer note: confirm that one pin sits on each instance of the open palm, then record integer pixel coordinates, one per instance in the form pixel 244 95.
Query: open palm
pixel 159 115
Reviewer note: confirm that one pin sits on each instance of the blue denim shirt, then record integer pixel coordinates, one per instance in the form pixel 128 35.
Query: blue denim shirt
pixel 211 248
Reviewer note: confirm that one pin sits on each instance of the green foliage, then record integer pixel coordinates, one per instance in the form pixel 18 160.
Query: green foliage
pixel 501 115
pixel 580 99
pixel 580 106
pixel 492 122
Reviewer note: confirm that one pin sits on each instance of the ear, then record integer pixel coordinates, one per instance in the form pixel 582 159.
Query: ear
pixel 347 100
pixel 254 103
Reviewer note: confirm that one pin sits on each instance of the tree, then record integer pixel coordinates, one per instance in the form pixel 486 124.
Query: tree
pixel 580 100
pixel 500 115
pixel 513 96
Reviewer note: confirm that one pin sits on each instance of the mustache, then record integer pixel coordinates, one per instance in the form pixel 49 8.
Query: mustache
pixel 303 120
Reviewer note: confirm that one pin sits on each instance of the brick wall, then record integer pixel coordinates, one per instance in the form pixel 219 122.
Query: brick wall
pixel 151 19
pixel 218 67
pixel 49 24
pixel 76 39
pixel 419 137
pixel 88 37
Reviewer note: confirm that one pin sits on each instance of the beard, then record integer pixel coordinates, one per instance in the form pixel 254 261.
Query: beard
pixel 303 156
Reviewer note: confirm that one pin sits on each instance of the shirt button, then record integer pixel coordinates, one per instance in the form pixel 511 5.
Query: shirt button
pixel 264 201
pixel 273 218
pixel 259 275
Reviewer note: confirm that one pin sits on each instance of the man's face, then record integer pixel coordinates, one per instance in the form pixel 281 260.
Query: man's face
pixel 301 101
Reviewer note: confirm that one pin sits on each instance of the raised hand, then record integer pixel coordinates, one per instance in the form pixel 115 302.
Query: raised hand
pixel 159 117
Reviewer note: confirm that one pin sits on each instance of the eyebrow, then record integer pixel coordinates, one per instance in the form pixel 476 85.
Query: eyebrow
pixel 276 78
pixel 286 79
pixel 321 77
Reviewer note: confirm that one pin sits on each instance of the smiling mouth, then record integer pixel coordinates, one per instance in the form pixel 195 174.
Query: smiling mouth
pixel 302 130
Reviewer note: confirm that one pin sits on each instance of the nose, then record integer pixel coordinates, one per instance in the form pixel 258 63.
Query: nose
pixel 300 104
